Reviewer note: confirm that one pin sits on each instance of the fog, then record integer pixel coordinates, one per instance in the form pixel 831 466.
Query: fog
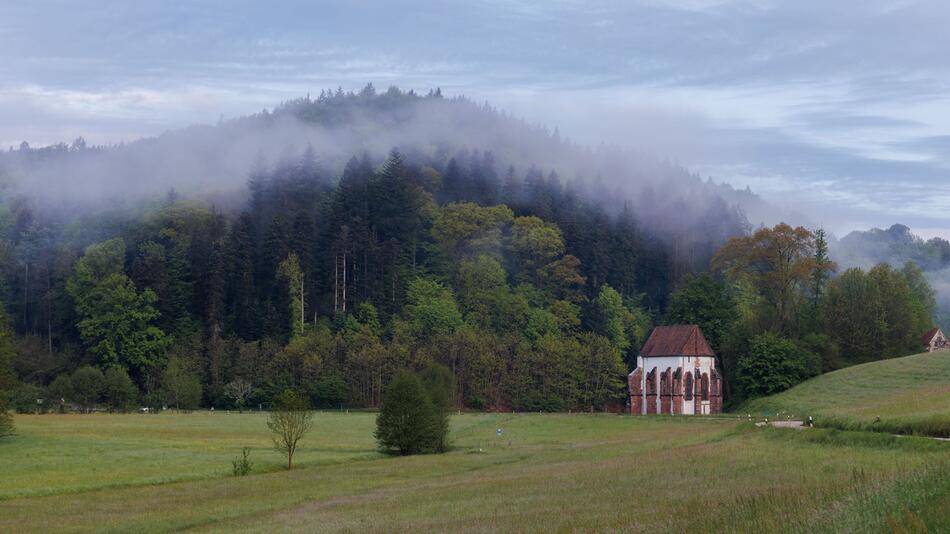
pixel 213 161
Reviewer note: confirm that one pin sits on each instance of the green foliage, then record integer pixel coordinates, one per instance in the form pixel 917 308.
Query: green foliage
pixel 329 391
pixel 774 364
pixel 610 313
pixel 439 382
pixel 23 399
pixel 181 386
pixel 535 243
pixel 7 377
pixel 118 391
pixel 116 320
pixel 469 229
pixel 408 421
pixel 86 387
pixel 432 308
pixel 705 301
pixel 290 274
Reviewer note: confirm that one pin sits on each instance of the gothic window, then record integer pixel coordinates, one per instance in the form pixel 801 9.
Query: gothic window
pixel 704 387
pixel 689 386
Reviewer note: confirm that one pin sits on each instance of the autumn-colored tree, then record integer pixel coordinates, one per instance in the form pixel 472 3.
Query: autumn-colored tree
pixel 778 262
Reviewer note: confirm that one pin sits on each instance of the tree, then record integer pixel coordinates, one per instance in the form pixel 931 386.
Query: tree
pixel 408 422
pixel 289 272
pixel 702 300
pixel 116 321
pixel 774 364
pixel 181 387
pixel 86 386
pixel 440 384
pixel 779 262
pixel 289 420
pixel 238 390
pixel 609 317
pixel 432 308
pixel 823 267
pixel 469 229
pixel 535 243
pixel 7 378
pixel 118 391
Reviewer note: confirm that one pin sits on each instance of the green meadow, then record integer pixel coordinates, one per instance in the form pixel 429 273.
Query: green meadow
pixel 551 472
pixel 909 395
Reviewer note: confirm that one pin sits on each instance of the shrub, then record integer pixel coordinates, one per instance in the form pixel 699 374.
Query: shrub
pixel 118 390
pixel 408 422
pixel 23 399
pixel 86 387
pixel 60 392
pixel 242 466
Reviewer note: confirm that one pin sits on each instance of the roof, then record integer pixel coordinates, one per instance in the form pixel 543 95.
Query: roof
pixel 929 336
pixel 676 340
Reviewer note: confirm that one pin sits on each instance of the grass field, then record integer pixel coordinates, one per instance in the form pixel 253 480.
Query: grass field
pixel 140 473
pixel 909 395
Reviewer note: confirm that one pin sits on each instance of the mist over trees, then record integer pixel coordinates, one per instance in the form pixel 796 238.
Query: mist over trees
pixel 896 246
pixel 298 250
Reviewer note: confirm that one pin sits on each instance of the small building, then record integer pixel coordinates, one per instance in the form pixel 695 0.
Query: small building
pixel 676 374
pixel 934 340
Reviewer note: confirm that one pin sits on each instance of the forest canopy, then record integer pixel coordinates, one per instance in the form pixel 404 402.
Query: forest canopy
pixel 328 275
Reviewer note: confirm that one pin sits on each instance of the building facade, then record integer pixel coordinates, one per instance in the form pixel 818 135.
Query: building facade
pixel 935 340
pixel 676 374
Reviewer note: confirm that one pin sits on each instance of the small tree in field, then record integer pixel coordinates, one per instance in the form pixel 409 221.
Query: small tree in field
pixel 238 390
pixel 408 421
pixel 289 420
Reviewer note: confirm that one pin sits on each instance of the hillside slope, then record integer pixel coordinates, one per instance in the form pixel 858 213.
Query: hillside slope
pixel 909 395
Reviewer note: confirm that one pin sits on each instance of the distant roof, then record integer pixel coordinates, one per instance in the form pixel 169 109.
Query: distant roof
pixel 929 336
pixel 676 340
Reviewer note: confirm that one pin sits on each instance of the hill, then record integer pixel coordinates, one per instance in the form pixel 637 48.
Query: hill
pixel 909 395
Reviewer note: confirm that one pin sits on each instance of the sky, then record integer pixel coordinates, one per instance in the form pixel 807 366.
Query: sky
pixel 838 109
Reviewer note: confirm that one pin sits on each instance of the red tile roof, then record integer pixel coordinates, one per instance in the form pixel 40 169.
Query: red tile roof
pixel 929 336
pixel 677 340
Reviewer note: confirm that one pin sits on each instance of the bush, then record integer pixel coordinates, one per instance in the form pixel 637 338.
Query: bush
pixel 87 383
pixel 23 399
pixel 242 466
pixel 60 392
pixel 773 364
pixel 118 390
pixel 408 421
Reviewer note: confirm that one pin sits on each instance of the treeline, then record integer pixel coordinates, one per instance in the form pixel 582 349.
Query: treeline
pixel 533 295
pixel 776 312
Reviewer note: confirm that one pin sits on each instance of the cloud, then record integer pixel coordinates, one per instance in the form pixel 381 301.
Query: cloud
pixel 827 104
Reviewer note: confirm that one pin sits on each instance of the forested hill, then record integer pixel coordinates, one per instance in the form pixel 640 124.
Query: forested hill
pixel 212 162
pixel 896 246
pixel 299 249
